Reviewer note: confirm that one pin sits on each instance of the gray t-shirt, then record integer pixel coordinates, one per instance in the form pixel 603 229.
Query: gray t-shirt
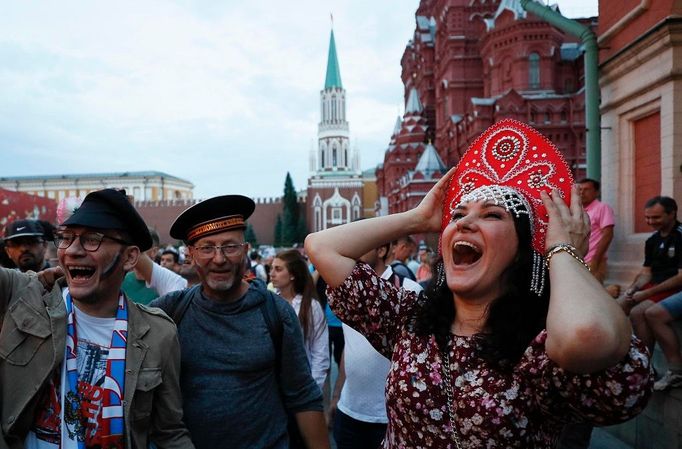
pixel 231 394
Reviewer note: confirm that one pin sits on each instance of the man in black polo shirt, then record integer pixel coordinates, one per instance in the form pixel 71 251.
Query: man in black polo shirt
pixel 660 276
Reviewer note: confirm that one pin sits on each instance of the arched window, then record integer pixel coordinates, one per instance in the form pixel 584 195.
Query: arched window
pixel 334 156
pixel 345 157
pixel 534 71
pixel 333 108
pixel 322 158
pixel 356 212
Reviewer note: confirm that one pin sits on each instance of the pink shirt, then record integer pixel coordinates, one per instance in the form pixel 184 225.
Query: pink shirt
pixel 601 216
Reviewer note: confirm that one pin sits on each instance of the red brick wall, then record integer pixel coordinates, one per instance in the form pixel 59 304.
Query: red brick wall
pixel 647 180
pixel 264 218
pixel 159 215
pixel 611 11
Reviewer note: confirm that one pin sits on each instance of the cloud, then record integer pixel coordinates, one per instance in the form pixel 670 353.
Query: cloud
pixel 224 94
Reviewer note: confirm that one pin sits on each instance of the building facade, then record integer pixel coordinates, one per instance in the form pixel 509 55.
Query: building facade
pixel 474 62
pixel 640 60
pixel 336 191
pixel 142 185
pixel 20 205
pixel 411 163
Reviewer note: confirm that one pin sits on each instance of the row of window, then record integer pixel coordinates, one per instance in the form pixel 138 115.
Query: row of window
pixel 334 110
pixel 136 192
pixel 334 157
pixel 334 216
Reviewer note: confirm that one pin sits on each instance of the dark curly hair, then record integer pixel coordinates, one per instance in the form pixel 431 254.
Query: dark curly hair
pixel 514 318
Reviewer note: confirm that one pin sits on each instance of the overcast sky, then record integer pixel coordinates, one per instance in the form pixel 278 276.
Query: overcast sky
pixel 223 93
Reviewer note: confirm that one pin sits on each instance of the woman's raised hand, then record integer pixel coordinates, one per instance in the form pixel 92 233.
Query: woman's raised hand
pixel 430 210
pixel 566 225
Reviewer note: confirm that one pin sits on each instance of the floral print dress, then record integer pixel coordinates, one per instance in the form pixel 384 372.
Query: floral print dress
pixel 524 408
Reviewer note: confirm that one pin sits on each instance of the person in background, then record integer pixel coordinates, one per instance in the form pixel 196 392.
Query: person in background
pixel 187 269
pixel 294 283
pixel 170 259
pixel 149 280
pixel 358 405
pixel 401 250
pixel 661 273
pixel 424 273
pixel 333 323
pixel 25 244
pixel 257 267
pixel 602 221
pixel 660 319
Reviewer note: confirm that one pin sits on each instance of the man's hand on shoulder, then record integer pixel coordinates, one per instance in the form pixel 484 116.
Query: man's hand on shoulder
pixel 49 276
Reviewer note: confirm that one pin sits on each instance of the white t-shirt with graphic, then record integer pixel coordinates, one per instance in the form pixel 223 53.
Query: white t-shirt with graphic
pixel 94 339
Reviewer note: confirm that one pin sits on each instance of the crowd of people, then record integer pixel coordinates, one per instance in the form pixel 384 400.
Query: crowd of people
pixel 499 335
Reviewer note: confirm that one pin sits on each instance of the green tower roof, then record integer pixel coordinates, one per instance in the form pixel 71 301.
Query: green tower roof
pixel 333 73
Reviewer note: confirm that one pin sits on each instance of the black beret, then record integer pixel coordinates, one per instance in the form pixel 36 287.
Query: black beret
pixel 214 215
pixel 110 209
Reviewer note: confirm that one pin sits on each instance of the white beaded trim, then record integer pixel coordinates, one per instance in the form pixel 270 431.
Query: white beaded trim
pixel 512 201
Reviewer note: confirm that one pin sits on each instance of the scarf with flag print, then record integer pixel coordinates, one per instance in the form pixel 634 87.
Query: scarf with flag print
pixel 111 422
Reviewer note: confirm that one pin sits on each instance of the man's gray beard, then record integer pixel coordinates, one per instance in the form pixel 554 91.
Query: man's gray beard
pixel 228 286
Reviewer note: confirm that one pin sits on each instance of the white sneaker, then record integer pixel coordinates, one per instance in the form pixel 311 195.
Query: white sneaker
pixel 669 380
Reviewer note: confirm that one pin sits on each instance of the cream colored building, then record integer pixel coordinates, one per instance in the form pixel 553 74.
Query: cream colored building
pixel 142 185
pixel 641 107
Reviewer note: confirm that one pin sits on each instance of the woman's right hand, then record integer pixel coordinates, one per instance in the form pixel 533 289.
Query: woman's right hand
pixel 430 210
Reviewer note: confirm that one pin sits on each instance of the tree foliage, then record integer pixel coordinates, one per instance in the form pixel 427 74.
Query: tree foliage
pixel 250 236
pixel 293 229
pixel 278 230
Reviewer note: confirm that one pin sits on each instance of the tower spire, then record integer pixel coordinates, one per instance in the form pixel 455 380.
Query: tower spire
pixel 333 78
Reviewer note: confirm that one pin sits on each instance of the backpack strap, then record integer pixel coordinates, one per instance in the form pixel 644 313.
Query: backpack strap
pixel 268 308
pixel 402 270
pixel 179 301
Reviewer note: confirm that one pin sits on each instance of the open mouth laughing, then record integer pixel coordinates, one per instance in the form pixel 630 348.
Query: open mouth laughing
pixel 465 253
pixel 80 272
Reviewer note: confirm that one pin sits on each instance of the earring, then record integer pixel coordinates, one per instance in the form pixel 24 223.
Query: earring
pixel 440 275
pixel 537 281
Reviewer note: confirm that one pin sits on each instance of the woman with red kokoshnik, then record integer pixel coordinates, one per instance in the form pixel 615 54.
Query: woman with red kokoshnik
pixel 514 338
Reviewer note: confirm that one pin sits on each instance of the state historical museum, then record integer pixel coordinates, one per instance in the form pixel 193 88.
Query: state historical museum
pixel 470 64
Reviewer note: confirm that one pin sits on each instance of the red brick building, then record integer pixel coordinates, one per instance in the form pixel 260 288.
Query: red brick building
pixel 473 63
pixel 411 165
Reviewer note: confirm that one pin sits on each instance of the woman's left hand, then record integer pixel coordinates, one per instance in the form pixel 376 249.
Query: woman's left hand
pixel 566 225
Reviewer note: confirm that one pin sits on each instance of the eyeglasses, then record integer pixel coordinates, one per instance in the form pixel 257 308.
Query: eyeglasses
pixel 208 251
pixel 90 241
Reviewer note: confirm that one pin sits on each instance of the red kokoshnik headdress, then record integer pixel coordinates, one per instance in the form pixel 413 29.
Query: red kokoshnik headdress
pixel 510 155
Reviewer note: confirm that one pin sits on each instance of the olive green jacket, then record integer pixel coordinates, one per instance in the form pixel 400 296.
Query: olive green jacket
pixel 32 347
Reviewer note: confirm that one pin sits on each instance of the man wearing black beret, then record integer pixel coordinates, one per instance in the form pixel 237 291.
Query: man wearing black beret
pixel 81 366
pixel 244 366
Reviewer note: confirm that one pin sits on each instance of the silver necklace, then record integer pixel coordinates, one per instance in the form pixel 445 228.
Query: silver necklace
pixel 450 395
